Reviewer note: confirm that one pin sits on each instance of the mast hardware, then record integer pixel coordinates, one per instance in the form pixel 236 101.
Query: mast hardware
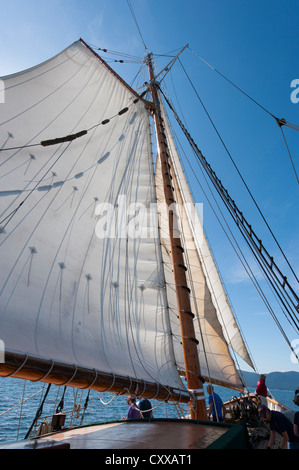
pixel 182 266
pixel 188 312
pixel 194 340
pixel 185 287
pixel 180 248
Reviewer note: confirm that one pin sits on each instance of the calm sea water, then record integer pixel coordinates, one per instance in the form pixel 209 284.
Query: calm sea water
pixel 12 393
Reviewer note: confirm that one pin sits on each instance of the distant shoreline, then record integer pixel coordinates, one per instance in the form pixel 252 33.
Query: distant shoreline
pixel 288 381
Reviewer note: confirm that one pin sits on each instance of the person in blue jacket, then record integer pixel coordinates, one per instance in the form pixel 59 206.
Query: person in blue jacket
pixel 216 407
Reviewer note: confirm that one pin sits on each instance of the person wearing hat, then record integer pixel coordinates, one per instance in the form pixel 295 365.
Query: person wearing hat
pixel 280 424
pixel 145 407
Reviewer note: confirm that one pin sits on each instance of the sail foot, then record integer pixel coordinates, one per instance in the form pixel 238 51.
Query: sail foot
pixel 44 370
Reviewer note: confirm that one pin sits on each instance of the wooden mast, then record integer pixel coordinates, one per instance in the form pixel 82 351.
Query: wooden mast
pixel 189 342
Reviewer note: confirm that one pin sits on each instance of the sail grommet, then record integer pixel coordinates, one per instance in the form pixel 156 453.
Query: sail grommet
pixel 181 248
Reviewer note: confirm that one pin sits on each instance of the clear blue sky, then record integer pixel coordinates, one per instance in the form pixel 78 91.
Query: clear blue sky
pixel 252 42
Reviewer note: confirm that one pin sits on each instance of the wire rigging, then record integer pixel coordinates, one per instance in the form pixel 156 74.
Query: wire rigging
pixel 280 121
pixel 239 173
pixel 289 154
pixel 135 20
pixel 274 275
pixel 237 249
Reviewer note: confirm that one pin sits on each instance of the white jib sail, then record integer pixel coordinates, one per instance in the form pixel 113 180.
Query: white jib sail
pixel 215 325
pixel 77 283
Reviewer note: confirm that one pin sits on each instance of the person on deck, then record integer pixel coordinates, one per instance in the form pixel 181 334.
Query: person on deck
pixel 145 407
pixel 133 411
pixel 280 424
pixel 216 407
pixel 261 389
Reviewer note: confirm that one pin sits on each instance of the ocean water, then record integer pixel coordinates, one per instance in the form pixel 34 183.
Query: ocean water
pixel 15 423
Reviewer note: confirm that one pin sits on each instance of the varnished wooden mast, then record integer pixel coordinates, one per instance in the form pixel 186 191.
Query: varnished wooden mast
pixel 189 343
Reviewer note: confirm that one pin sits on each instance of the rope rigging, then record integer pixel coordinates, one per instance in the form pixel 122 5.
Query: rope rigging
pixel 71 137
pixel 242 179
pixel 136 23
pixel 280 121
pixel 286 293
pixel 39 412
pixel 280 125
pixel 232 240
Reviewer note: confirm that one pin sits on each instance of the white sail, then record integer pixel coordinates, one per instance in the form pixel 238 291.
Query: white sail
pixel 69 292
pixel 215 325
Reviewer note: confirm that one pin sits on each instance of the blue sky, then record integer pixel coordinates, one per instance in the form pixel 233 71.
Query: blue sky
pixel 252 42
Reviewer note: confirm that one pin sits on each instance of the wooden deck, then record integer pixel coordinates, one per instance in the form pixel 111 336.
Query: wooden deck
pixel 153 434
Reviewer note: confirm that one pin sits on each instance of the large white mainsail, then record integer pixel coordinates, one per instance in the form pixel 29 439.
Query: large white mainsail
pixel 68 292
pixel 214 322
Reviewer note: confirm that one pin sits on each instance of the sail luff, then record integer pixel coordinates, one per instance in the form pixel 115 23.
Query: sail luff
pixel 192 366
pixel 118 77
